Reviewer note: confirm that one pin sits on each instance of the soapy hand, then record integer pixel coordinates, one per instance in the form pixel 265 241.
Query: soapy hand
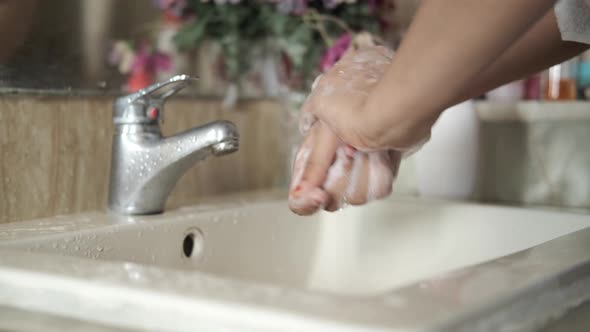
pixel 329 173
pixel 344 98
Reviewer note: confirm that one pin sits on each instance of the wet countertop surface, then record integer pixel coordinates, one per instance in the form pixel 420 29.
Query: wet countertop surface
pixel 515 271
pixel 95 219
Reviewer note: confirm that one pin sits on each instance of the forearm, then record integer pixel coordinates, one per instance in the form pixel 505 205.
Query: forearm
pixel 449 44
pixel 539 48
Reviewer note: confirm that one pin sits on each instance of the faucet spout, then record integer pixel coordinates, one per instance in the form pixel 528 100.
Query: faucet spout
pixel 217 138
pixel 146 167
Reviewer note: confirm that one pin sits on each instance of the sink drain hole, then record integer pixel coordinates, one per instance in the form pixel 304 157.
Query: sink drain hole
pixel 188 245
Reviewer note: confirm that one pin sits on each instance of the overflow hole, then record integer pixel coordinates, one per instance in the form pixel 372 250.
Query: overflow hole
pixel 188 245
pixel 193 245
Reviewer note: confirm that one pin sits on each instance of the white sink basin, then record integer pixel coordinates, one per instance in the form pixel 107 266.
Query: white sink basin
pixel 258 267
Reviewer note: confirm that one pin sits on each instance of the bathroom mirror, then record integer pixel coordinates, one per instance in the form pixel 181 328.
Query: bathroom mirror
pixel 104 46
pixel 61 46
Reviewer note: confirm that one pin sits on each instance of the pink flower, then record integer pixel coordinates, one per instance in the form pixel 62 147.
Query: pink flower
pixel 146 64
pixel 175 6
pixel 146 59
pixel 335 52
pixel 174 11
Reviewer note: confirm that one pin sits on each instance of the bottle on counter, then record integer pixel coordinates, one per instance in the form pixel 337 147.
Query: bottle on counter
pixel 532 87
pixel 561 81
pixel 584 76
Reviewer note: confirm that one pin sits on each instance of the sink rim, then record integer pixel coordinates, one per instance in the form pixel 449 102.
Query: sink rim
pixel 204 296
pixel 417 307
pixel 91 220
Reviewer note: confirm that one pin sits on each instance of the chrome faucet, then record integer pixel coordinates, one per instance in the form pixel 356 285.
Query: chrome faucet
pixel 145 166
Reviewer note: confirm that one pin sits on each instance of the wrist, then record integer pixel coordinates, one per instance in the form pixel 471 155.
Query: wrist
pixel 397 117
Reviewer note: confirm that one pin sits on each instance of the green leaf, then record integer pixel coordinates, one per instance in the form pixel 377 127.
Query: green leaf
pixel 191 35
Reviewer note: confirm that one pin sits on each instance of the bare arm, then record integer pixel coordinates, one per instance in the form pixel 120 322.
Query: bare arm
pixel 457 49
pixel 539 48
pixel 449 45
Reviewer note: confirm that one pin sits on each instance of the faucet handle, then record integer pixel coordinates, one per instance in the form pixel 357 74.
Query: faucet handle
pixel 146 105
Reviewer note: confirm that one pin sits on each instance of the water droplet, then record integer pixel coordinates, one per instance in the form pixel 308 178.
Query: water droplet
pixel 76 248
pixel 140 234
pixel 99 249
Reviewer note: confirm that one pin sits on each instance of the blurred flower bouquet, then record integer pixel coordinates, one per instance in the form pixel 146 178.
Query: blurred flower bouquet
pixel 300 38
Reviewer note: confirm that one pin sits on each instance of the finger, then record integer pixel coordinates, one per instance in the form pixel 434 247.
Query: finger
pixel 357 189
pixel 347 180
pixel 321 155
pixel 306 122
pixel 309 202
pixel 382 169
pixel 306 195
pixel 338 178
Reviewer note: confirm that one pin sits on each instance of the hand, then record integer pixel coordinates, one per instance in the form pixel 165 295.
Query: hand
pixel 344 98
pixel 328 173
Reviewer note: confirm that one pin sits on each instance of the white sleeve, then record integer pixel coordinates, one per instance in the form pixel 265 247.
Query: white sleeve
pixel 573 19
